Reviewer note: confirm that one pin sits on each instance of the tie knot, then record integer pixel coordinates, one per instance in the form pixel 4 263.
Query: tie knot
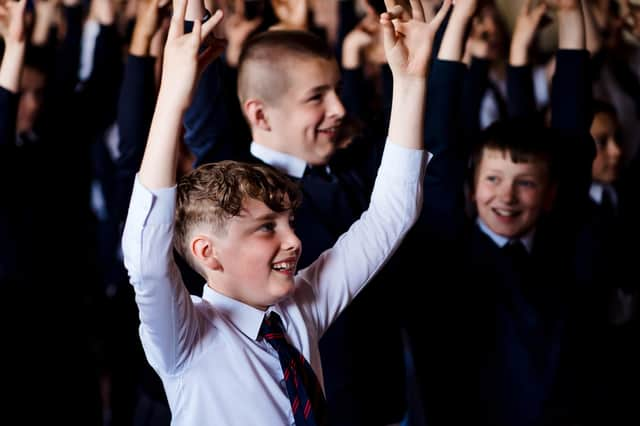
pixel 271 328
pixel 318 172
pixel 515 248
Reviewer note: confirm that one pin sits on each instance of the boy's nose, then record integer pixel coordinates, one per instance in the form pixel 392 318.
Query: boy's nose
pixel 336 108
pixel 291 242
pixel 613 148
pixel 507 193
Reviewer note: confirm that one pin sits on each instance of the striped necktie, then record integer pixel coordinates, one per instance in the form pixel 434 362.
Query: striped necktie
pixel 307 400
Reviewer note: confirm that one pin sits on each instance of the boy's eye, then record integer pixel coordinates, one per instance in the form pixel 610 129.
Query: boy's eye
pixel 315 98
pixel 527 183
pixel 268 227
pixel 491 179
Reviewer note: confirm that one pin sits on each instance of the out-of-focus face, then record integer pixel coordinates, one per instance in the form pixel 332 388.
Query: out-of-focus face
pixel 486 26
pixel 307 117
pixel 258 255
pixel 510 197
pixel 606 164
pixel 32 86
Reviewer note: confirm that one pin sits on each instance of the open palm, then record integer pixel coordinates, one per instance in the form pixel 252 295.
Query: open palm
pixel 408 43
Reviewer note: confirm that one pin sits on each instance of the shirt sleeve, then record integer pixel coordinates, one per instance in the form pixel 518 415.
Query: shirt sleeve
pixel 169 323
pixel 339 274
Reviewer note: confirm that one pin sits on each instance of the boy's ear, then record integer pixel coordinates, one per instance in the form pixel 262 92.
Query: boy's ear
pixel 204 251
pixel 256 113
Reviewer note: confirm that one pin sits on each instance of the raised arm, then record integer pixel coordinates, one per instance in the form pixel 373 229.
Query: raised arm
pixel 12 30
pixel 182 63
pixel 571 111
pixel 136 102
pixel 444 214
pixel 397 195
pixel 408 47
pixel 13 34
pixel 168 320
pixel 520 92
pixel 570 96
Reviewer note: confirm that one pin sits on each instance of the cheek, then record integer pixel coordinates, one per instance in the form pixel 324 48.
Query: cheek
pixel 483 194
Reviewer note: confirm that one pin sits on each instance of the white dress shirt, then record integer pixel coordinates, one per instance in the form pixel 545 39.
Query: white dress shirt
pixel 286 163
pixel 214 370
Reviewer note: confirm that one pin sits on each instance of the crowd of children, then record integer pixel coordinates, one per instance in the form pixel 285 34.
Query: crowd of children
pixel 329 212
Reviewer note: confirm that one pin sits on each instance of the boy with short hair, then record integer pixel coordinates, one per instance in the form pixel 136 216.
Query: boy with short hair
pixel 519 312
pixel 247 351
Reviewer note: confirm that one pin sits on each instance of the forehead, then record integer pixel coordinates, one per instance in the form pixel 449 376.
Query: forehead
pixel 308 73
pixel 494 160
pixel 604 121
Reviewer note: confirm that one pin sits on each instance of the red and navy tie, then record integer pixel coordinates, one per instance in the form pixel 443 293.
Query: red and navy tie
pixel 307 400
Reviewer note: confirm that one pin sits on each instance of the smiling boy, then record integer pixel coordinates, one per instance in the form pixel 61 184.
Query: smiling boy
pixel 246 353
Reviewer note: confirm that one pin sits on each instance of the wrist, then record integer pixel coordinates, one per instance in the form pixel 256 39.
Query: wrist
pixel 518 55
pixel 13 50
pixel 351 57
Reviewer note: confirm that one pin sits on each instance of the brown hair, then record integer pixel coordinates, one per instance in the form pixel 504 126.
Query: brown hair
pixel 265 62
pixel 213 193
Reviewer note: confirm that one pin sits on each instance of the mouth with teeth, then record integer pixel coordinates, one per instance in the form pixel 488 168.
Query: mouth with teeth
pixel 506 214
pixel 287 267
pixel 330 132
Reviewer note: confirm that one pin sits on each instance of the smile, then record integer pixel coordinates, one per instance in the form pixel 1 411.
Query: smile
pixel 505 212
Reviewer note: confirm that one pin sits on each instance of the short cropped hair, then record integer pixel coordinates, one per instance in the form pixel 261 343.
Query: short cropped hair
pixel 265 62
pixel 213 193
pixel 524 139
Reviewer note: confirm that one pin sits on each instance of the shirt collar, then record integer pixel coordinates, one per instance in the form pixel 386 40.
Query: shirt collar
pixel 526 239
pixel 597 189
pixel 245 317
pixel 286 163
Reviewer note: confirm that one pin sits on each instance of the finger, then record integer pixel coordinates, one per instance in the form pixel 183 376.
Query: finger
pixel 538 12
pixel 526 7
pixel 395 12
pixel 417 10
pixel 442 13
pixel 388 31
pixel 389 4
pixel 238 7
pixel 211 23
pixel 176 29
pixel 196 33
pixel 20 7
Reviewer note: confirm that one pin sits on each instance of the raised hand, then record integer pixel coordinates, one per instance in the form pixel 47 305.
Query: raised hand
pixel 293 14
pixel 12 28
pixel 408 43
pixel 147 23
pixel 103 11
pixel 183 60
pixel 527 23
pixel 365 37
pixel 45 15
pixel 237 29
